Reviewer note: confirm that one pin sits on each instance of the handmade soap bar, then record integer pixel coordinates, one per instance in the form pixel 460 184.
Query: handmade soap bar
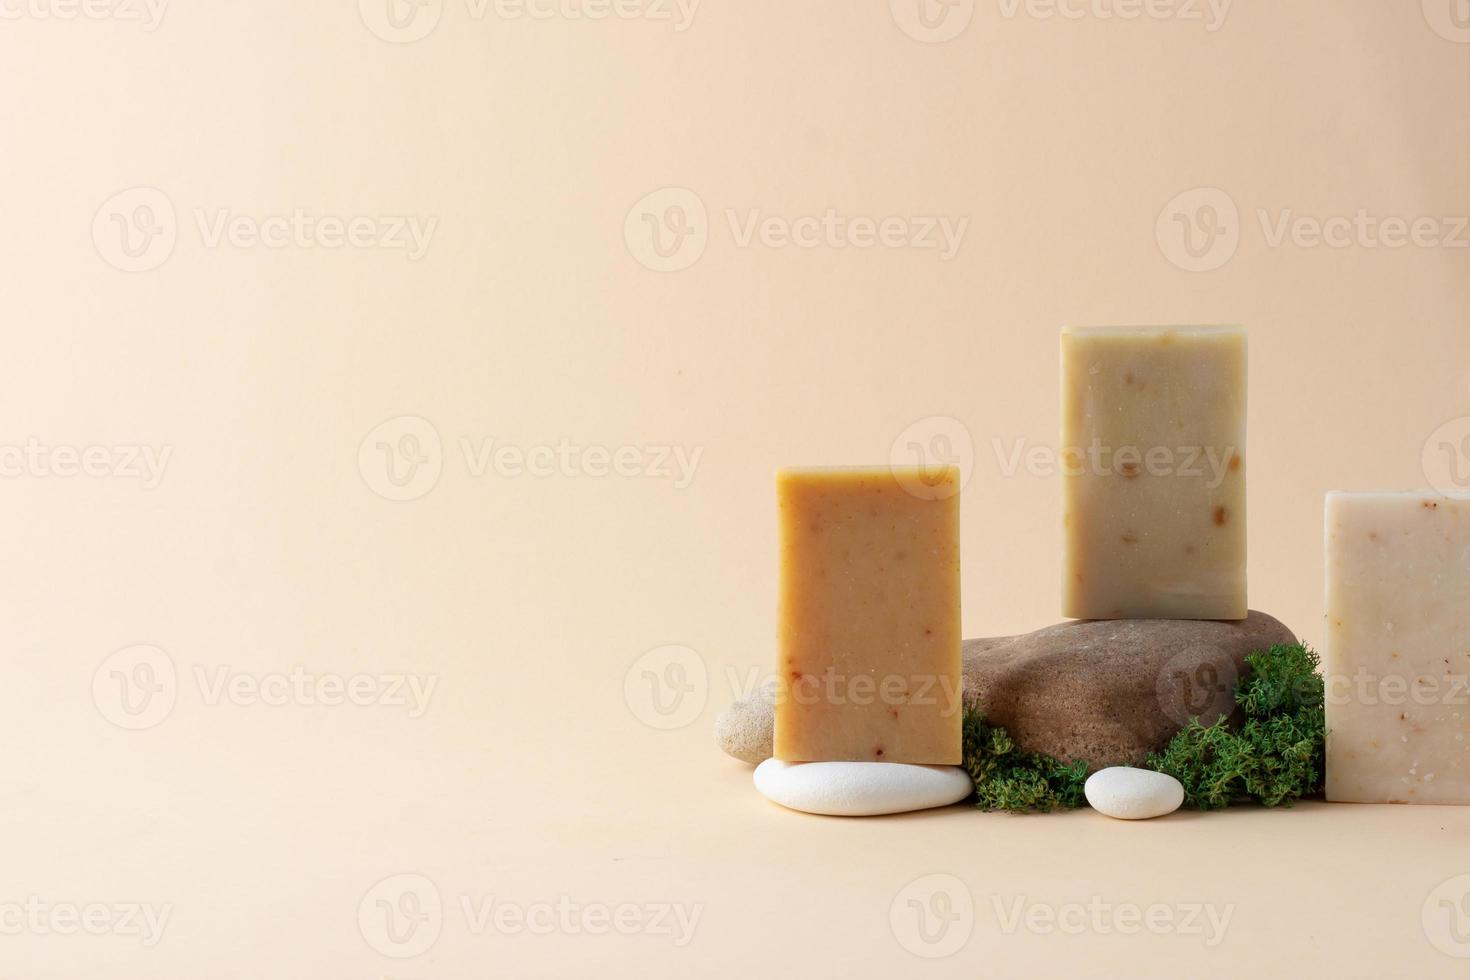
pixel 1153 484
pixel 1397 656
pixel 869 665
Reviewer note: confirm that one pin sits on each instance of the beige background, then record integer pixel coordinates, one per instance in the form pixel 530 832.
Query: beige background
pixel 1072 145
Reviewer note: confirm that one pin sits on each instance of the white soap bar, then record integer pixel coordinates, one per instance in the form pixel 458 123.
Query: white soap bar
pixel 860 789
pixel 1397 656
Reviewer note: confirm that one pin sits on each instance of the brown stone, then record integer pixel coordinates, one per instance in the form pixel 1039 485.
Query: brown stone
pixel 1111 691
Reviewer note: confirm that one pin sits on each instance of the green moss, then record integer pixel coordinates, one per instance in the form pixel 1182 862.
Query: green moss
pixel 1274 757
pixel 1007 778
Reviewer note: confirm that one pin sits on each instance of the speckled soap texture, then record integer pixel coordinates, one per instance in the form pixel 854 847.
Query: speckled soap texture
pixel 1397 656
pixel 869 615
pixel 1153 487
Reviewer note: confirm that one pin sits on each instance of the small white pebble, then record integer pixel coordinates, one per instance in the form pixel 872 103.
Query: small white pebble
pixel 1133 794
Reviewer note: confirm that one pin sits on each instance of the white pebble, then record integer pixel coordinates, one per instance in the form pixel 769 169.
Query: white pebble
pixel 860 789
pixel 1133 794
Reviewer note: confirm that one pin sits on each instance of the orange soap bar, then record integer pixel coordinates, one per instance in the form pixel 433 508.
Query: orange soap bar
pixel 869 616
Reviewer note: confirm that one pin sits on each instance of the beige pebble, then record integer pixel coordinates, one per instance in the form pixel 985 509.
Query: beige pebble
pixel 746 729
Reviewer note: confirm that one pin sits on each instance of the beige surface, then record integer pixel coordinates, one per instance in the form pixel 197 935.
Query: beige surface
pixel 1396 658
pixel 538 317
pixel 868 630
pixel 1154 490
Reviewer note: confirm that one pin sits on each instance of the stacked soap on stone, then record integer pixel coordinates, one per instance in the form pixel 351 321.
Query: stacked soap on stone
pixel 1153 425
pixel 868 706
pixel 1153 432
pixel 1397 657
